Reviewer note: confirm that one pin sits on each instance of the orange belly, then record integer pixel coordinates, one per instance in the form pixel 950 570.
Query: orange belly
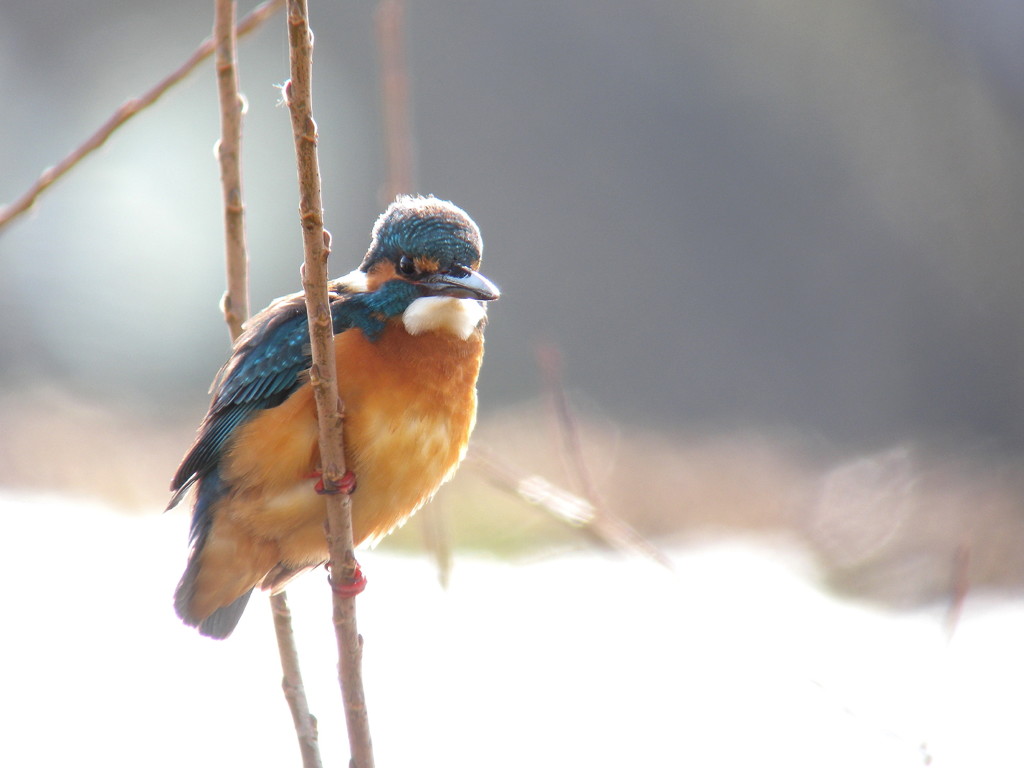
pixel 410 405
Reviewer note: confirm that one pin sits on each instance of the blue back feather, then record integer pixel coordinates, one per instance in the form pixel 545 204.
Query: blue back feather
pixel 267 365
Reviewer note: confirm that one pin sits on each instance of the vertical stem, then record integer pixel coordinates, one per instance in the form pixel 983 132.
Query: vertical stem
pixel 316 246
pixel 401 179
pixel 236 312
pixel 291 682
pixel 550 359
pixel 236 298
pixel 608 526
pixel 394 83
pixel 294 691
pixel 959 587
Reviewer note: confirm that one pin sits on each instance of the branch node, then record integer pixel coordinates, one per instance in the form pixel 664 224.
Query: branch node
pixel 323 317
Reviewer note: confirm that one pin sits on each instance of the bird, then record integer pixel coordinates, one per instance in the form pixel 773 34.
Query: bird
pixel 408 325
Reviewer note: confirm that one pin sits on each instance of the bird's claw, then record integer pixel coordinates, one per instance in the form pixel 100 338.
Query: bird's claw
pixel 346 484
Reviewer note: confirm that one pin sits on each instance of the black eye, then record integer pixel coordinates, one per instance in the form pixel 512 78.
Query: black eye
pixel 405 266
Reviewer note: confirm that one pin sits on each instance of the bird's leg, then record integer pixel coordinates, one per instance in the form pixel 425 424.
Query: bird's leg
pixel 347 587
pixel 346 484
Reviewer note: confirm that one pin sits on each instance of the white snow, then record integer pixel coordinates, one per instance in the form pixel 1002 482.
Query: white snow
pixel 735 658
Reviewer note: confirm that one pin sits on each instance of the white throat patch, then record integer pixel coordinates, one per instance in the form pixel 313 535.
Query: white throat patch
pixel 459 317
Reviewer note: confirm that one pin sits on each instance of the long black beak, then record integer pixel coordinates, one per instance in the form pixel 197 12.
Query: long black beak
pixel 468 284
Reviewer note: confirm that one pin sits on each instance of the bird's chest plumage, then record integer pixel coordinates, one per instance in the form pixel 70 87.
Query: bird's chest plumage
pixel 410 405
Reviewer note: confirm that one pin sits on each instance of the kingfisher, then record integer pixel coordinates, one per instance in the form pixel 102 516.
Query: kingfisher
pixel 408 325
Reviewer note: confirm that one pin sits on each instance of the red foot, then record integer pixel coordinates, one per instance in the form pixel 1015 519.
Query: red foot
pixel 349 587
pixel 347 484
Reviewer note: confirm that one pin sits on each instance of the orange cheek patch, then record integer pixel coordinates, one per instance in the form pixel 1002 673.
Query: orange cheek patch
pixel 380 273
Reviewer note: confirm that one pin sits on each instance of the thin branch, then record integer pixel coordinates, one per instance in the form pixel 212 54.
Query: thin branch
pixel 550 361
pixel 316 246
pixel 606 525
pixel 960 585
pixel 437 537
pixel 394 86
pixel 389 19
pixel 229 149
pixel 291 683
pixel 563 505
pixel 236 312
pixel 128 110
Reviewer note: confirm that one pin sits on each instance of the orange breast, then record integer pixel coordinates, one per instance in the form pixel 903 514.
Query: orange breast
pixel 410 407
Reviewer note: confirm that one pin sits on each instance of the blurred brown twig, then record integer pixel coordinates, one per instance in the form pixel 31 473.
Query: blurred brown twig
pixel 128 110
pixel 960 585
pixel 564 506
pixel 394 87
pixel 606 526
pixel 389 20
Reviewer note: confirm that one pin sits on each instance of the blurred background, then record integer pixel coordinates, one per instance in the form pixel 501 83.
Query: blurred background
pixel 777 247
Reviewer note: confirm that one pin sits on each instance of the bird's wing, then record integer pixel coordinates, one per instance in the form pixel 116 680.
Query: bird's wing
pixel 265 367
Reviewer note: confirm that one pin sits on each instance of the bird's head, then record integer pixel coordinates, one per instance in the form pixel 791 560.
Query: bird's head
pixel 431 244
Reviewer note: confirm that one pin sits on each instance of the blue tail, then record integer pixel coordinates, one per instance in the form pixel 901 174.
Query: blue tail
pixel 219 624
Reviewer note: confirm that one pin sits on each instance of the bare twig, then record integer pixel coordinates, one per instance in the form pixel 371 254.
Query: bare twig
pixel 401 179
pixel 394 86
pixel 128 110
pixel 316 244
pixel 437 536
pixel 550 360
pixel 236 312
pixel 563 505
pixel 294 691
pixel 960 585
pixel 606 525
pixel 229 148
